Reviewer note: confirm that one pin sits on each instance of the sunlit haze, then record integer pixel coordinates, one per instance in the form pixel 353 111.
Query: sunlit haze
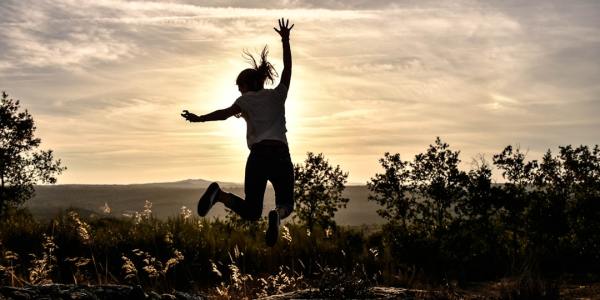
pixel 106 80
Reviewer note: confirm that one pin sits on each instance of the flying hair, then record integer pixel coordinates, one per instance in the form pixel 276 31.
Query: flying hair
pixel 260 72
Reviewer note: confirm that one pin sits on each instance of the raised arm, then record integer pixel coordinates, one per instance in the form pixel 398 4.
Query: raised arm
pixel 217 115
pixel 284 32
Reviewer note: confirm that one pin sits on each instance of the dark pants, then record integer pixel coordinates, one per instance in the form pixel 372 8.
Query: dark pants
pixel 270 161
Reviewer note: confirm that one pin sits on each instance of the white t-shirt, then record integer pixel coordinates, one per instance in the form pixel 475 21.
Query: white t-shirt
pixel 264 112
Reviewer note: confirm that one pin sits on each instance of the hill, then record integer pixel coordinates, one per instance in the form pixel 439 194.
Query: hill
pixel 168 198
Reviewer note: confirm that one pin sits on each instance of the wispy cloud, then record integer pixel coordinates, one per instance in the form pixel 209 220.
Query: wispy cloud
pixel 106 79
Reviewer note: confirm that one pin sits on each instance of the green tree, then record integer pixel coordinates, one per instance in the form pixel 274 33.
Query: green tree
pixel 22 165
pixel 580 182
pixel 438 184
pixel 482 200
pixel 391 190
pixel 516 194
pixel 318 191
pixel 475 235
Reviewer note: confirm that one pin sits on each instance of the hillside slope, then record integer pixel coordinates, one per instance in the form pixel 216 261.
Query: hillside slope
pixel 168 198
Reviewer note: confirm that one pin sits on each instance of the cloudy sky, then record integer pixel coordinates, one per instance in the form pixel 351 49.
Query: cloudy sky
pixel 106 80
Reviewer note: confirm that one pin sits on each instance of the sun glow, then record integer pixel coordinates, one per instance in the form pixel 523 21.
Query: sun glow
pixel 294 108
pixel 235 128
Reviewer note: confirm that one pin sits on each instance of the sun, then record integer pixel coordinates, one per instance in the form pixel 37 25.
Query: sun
pixel 236 126
pixel 225 96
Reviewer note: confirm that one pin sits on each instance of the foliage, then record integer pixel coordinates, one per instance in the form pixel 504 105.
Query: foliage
pixel 391 189
pixel 339 283
pixel 318 191
pixel 438 185
pixel 445 227
pixel 531 223
pixel 580 182
pixel 424 193
pixel 183 253
pixel 482 197
pixel 21 164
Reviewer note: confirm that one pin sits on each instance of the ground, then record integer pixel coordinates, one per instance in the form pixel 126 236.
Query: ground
pixel 117 292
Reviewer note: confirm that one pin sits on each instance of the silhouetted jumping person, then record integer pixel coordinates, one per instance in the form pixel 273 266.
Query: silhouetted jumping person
pixel 269 159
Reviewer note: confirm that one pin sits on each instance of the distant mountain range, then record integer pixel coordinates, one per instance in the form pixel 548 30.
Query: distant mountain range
pixel 168 198
pixel 182 184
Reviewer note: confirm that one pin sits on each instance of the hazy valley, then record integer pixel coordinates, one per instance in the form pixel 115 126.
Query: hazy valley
pixel 168 198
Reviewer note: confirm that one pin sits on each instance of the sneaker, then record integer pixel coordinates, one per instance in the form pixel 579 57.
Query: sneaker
pixel 273 230
pixel 208 199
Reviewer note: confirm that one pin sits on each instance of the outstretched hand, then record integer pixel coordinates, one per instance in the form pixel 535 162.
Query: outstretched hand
pixel 284 30
pixel 190 116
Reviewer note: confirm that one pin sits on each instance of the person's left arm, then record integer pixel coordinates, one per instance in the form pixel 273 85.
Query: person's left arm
pixel 284 32
pixel 217 115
